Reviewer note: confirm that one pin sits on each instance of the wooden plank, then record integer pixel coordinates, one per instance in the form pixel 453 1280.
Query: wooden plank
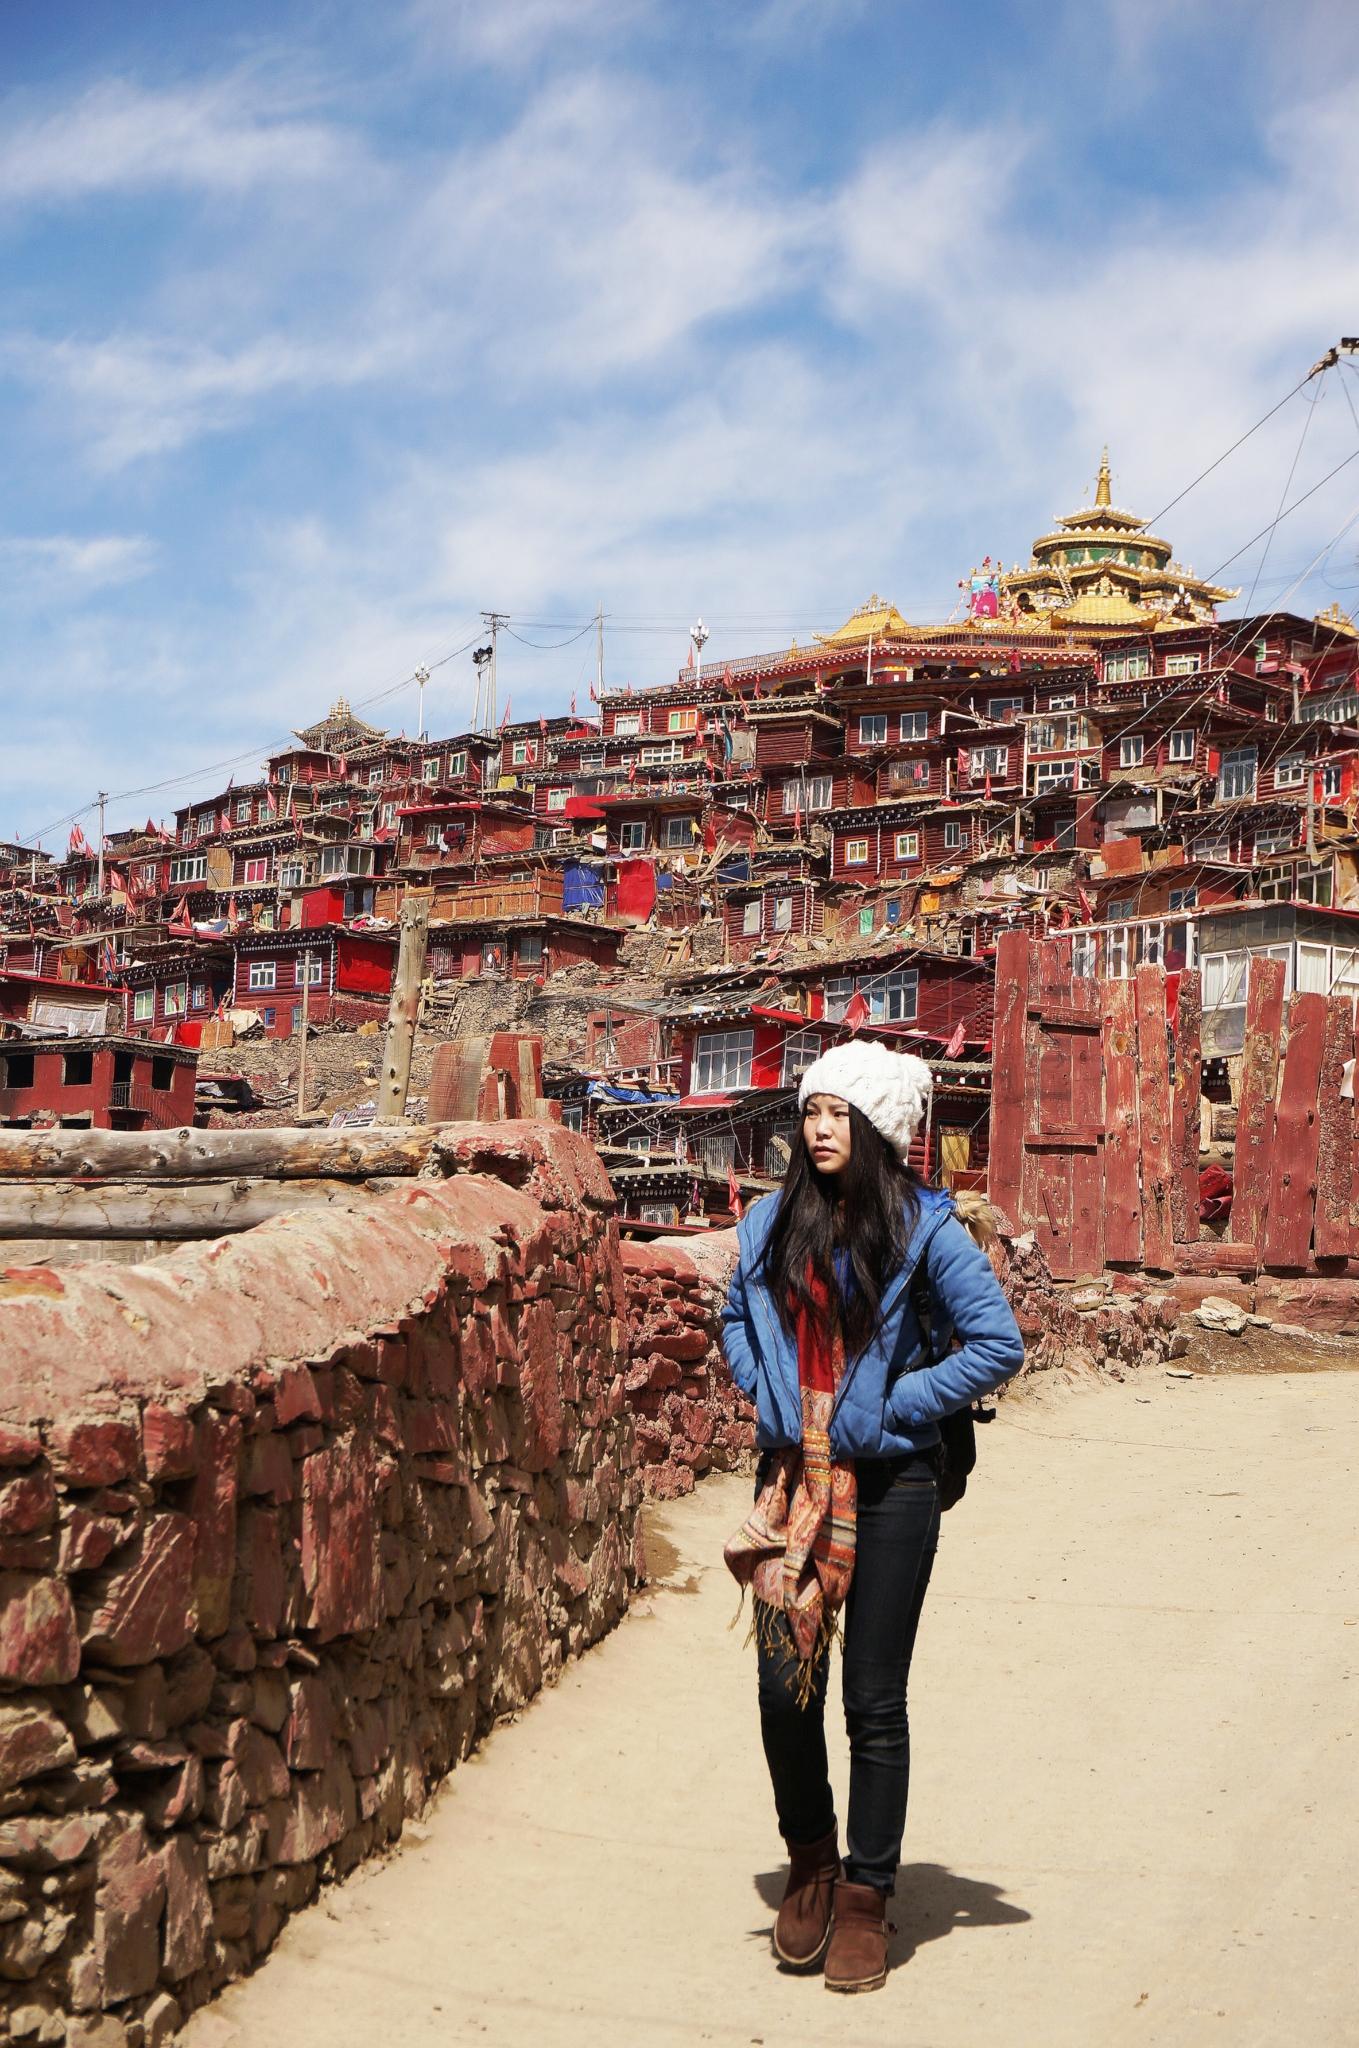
pixel 187 1154
pixel 1333 1234
pixel 1005 1164
pixel 1184 1113
pixel 1122 1185
pixel 1297 1133
pixel 1153 1117
pixel 404 1008
pixel 1087 1114
pixel 1255 1107
pixel 184 1209
pixel 1216 1255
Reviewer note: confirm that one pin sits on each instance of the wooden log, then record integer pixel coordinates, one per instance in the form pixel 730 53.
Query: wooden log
pixel 137 1209
pixel 405 1007
pixel 1333 1233
pixel 1216 1255
pixel 1122 1147
pixel 187 1154
pixel 1293 1171
pixel 1153 1116
pixel 1006 1155
pixel 1255 1109
pixel 1184 1114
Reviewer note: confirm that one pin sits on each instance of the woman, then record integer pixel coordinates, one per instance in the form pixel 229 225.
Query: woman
pixel 821 1331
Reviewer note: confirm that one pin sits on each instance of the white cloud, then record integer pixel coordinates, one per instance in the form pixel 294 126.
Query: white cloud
pixel 65 566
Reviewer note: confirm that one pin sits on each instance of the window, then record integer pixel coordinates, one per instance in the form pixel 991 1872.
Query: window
pixel 908 846
pixel 263 974
pixel 1127 668
pixel 457 765
pixel 682 721
pixel 1331 779
pixel 1084 955
pixel 143 1005
pixel 678 832
pixel 388 815
pixel 954 835
pixel 573 1116
pixel 292 874
pixel 632 835
pixel 309 970
pixel 659 1212
pixel 640 1144
pixel 722 1060
pixel 255 871
pixel 175 1001
pixel 1213 849
pixel 1342 710
pixel 1130 750
pixel 269 1017
pixel 1182 746
pixel 807 794
pixel 522 752
pixel 243 810
pixel 838 993
pixel 984 761
pixel 149 873
pixel 1277 839
pixel 856 853
pixel 783 913
pixel 916 774
pixel 627 724
pixel 663 755
pixel 1262 657
pixel 1237 775
pixel 1123 908
pixel 374 778
pixel 430 771
pixel 1055 775
pixel 530 948
pixel 556 799
pixel 77 1069
pixel 432 835
pixel 800 1050
pixel 1289 770
pixel 189 868
pixel 891 998
pixel 1003 710
pixel 1314 886
pixel 1183 664
pixel 1066 702
pixel 915 725
pixel 717 1154
pixel 872 728
pixel 750 919
pixel 1275 884
pixel 198 996
pixel 347 860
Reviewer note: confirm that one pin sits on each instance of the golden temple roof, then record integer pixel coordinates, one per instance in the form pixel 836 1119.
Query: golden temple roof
pixel 877 617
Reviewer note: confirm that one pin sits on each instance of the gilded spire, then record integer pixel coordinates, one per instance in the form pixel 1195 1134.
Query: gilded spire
pixel 1102 494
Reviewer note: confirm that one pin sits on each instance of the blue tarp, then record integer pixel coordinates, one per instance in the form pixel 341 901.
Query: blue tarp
pixel 582 888
pixel 601 1091
pixel 735 870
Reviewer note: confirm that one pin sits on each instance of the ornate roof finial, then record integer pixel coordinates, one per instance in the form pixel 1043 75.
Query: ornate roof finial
pixel 1102 494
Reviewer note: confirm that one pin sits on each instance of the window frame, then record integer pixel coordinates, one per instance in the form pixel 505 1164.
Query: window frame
pixel 907 845
pixel 731 1051
pixel 869 721
pixel 853 857
pixel 262 977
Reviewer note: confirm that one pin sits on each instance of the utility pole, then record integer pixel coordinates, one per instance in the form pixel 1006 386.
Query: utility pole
pixel 479 660
pixel 302 1062
pixel 103 799
pixel 495 620
pixel 405 1005
pixel 599 688
pixel 422 677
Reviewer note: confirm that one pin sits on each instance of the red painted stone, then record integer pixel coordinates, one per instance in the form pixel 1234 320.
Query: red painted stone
pixel 297 1399
pixel 478 1355
pixel 188 1909
pixel 28 1502
pixel 430 1426
pixel 540 1381
pixel 143 1607
pixel 94 1453
pixel 169 1443
pixel 269 1468
pixel 18 1446
pixel 322 1809
pixel 340 1567
pixel 128 1902
pixel 259 1762
pixel 39 1644
pixel 214 1515
pixel 309 1732
pixel 32 1740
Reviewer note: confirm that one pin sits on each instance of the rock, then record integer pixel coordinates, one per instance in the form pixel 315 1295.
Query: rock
pixel 340 1566
pixel 96 2030
pixel 310 1732
pixel 322 1809
pixel 169 1444
pixel 39 1643
pixel 540 1383
pixel 188 1909
pixel 1215 1312
pixel 161 2021
pixel 214 1515
pixel 32 1740
pixel 37 2016
pixel 144 1607
pixel 28 1502
pixel 94 1453
pixel 128 1902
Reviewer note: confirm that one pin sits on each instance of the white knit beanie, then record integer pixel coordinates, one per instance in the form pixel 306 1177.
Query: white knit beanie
pixel 889 1088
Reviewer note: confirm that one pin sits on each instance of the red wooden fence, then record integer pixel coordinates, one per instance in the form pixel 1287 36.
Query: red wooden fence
pixel 1094 1144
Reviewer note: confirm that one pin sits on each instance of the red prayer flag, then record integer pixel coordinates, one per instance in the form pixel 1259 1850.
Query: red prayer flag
pixel 857 1011
pixel 955 1044
pixel 733 1194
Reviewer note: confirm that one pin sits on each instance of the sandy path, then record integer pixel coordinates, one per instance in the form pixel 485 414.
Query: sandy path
pixel 1134 1811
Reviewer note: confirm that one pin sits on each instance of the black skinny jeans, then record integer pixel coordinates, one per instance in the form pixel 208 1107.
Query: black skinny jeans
pixel 898 1530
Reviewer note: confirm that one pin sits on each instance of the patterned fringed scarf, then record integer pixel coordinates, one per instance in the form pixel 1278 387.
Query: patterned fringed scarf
pixel 795 1550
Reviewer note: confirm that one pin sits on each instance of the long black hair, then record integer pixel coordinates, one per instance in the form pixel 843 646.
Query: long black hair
pixel 872 1217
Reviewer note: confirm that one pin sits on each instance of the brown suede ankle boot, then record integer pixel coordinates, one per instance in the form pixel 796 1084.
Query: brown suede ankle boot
pixel 857 1957
pixel 803 1926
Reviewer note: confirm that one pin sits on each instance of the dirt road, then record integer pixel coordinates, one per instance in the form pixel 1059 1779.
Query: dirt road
pixel 1135 1806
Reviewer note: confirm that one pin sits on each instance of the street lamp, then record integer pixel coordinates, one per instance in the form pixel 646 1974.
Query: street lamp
pixel 699 635
pixel 422 677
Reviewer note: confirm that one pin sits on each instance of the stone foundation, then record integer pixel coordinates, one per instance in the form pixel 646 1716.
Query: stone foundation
pixel 690 1417
pixel 287 1520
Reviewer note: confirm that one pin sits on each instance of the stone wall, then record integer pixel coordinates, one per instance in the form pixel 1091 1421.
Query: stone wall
pixel 286 1521
pixel 690 1417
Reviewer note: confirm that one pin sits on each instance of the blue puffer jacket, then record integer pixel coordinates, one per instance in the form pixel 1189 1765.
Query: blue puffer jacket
pixel 885 1408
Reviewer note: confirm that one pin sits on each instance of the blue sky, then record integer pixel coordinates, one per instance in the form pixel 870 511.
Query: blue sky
pixel 326 327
